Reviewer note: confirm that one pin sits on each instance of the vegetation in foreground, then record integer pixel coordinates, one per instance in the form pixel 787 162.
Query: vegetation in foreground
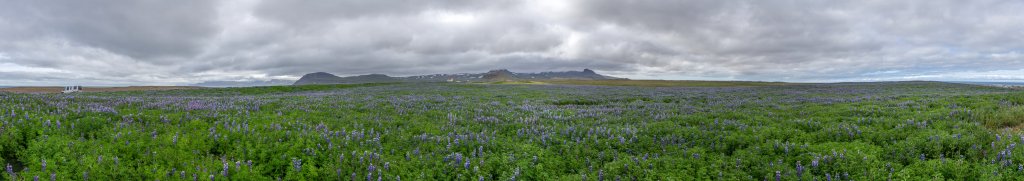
pixel 856 131
pixel 666 83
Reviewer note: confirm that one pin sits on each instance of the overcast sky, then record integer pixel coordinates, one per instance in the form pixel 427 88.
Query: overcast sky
pixel 174 42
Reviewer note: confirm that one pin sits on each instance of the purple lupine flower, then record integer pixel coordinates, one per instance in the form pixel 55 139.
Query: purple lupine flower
pixel 297 164
pixel 600 175
pixel 43 165
pixel 225 169
pixel 36 178
pixel 387 165
pixel 814 162
pixel 467 164
pixel 53 176
pixel 799 169
pixel 778 176
pixel 515 174
pixel 828 177
pixel 212 178
pixel 10 170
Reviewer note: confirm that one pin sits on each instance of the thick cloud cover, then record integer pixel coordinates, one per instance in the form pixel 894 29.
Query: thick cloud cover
pixel 122 42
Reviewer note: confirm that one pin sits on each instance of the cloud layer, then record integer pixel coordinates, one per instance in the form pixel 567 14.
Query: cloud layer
pixel 119 42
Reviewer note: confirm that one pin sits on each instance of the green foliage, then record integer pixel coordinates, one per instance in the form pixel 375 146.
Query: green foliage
pixel 663 83
pixel 443 131
pixel 1006 117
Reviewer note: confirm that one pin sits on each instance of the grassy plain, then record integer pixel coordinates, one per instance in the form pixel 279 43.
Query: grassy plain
pixel 561 130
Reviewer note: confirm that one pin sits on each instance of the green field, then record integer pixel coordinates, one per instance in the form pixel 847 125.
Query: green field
pixel 646 83
pixel 558 130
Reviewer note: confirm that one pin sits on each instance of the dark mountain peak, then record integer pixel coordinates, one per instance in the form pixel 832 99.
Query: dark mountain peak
pixel 489 76
pixel 316 78
pixel 499 71
pixel 374 76
pixel 499 75
pixel 327 78
pixel 319 74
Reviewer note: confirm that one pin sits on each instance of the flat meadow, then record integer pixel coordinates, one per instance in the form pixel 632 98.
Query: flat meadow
pixel 458 131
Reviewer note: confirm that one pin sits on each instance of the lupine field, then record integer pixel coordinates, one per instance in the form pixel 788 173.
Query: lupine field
pixel 441 131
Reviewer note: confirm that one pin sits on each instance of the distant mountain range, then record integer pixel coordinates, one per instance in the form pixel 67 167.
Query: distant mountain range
pixel 490 76
pixel 252 83
pixel 995 84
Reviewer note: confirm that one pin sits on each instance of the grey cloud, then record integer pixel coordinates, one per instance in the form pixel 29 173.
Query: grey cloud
pixel 302 12
pixel 140 29
pixel 777 40
pixel 760 38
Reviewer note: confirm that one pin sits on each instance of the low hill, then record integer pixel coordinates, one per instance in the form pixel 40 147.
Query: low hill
pixel 499 75
pixel 253 83
pixel 327 78
pixel 490 76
